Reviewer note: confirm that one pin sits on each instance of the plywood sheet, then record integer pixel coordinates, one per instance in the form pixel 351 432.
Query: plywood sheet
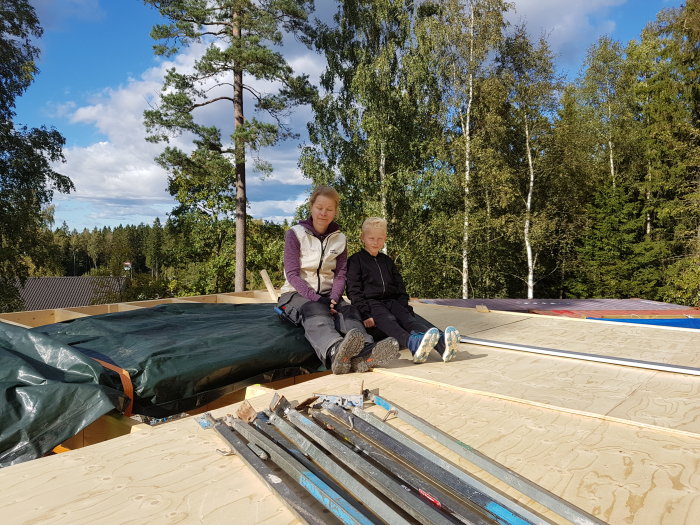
pixel 173 474
pixel 642 396
pixel 676 346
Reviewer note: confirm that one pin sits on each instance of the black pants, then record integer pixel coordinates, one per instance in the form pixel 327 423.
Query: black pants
pixel 321 328
pixel 395 320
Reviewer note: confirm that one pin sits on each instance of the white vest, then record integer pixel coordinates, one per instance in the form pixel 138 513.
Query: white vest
pixel 317 259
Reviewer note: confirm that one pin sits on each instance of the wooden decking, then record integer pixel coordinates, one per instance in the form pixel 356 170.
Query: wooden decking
pixel 621 443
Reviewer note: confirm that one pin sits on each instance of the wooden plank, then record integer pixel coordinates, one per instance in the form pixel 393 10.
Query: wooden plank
pixel 647 343
pixel 619 473
pixel 99 309
pixel 268 284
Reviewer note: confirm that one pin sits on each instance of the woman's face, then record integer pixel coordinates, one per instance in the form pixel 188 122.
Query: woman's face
pixel 322 213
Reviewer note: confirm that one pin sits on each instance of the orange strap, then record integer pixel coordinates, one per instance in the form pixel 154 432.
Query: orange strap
pixel 126 383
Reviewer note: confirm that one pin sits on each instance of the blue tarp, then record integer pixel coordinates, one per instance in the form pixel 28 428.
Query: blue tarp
pixel 679 323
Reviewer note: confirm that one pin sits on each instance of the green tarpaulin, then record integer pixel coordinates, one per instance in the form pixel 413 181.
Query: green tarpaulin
pixel 179 356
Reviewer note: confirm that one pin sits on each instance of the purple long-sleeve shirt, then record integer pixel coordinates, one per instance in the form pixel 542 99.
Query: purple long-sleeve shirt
pixel 292 263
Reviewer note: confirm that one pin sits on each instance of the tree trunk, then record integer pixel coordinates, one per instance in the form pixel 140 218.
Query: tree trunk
pixel 528 216
pixel 647 196
pixel 382 188
pixel 610 146
pixel 239 148
pixel 466 130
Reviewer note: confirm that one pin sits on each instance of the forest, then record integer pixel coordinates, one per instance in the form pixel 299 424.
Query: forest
pixel 499 177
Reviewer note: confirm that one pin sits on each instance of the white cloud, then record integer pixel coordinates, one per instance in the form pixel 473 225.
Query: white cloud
pixel 119 177
pixel 570 26
pixel 277 210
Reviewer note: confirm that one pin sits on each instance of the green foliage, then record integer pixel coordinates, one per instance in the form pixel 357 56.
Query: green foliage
pixel 456 130
pixel 27 179
pixel 240 37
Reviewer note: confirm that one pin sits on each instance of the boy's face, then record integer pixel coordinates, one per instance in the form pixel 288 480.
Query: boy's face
pixel 373 240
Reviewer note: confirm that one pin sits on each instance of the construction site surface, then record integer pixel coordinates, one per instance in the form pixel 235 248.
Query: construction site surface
pixel 620 442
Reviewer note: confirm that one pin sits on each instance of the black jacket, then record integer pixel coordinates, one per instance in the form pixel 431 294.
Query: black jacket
pixel 373 278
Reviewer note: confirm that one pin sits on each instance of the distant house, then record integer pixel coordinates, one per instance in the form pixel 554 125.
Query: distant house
pixel 42 293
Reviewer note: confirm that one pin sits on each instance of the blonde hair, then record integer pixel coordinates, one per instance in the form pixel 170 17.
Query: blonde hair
pixel 374 222
pixel 325 191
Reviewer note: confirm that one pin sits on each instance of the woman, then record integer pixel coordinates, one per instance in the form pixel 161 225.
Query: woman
pixel 315 265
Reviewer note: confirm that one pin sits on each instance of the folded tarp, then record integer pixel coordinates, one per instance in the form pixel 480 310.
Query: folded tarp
pixel 179 356
pixel 50 392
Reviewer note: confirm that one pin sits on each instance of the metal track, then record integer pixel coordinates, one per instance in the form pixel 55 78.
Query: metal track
pixel 428 491
pixel 498 506
pixel 352 485
pixel 410 502
pixel 308 480
pixel 515 480
pixel 648 365
pixel 268 475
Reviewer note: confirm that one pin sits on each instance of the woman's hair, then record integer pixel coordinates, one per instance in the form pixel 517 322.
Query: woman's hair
pixel 325 191
pixel 374 222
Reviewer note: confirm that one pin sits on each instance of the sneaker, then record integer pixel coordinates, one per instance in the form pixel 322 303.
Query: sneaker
pixel 345 350
pixel 450 343
pixel 420 344
pixel 376 354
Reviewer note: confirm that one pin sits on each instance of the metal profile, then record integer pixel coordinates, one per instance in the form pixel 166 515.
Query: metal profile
pixel 512 478
pixel 648 365
pixel 308 480
pixel 497 506
pixel 413 505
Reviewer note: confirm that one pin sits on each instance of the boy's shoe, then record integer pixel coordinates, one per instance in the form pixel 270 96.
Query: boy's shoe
pixel 376 354
pixel 451 343
pixel 343 352
pixel 420 344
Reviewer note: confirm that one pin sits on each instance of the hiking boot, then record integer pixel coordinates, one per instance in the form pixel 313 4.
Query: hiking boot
pixel 448 343
pixel 345 350
pixel 420 344
pixel 376 354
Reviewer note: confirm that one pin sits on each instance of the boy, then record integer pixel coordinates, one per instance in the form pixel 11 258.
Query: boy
pixel 375 287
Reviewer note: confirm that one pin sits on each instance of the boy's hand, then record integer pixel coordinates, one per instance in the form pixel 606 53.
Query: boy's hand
pixel 369 323
pixel 333 303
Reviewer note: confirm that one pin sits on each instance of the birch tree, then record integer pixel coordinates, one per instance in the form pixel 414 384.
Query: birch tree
pixel 462 38
pixel 528 70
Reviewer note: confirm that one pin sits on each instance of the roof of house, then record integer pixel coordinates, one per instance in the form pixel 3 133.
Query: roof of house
pixel 42 293
pixel 617 437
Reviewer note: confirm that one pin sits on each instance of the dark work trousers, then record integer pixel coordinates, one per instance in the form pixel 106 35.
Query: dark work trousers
pixel 395 320
pixel 321 328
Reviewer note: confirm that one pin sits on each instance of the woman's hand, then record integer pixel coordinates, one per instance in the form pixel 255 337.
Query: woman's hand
pixel 369 323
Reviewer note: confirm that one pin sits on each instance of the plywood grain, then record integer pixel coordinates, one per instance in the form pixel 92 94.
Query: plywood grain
pixel 677 346
pixel 613 392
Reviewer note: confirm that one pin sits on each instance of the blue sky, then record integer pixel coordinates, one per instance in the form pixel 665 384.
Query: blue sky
pixel 98 74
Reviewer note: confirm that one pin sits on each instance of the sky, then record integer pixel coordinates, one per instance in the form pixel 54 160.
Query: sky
pixel 97 75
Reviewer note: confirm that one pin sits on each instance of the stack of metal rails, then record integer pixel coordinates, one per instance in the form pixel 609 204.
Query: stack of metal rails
pixel 364 470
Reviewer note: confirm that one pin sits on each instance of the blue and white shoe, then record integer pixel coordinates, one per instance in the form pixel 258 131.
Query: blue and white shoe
pixel 420 344
pixel 451 342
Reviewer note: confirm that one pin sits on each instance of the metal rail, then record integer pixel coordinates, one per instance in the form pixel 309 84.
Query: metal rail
pixel 512 478
pixel 497 506
pixel 412 504
pixel 308 480
pixel 648 365
pixel 428 491
pixel 352 485
pixel 263 424
pixel 268 475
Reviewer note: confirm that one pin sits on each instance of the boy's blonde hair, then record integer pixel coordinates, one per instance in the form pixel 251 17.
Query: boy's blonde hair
pixel 374 222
